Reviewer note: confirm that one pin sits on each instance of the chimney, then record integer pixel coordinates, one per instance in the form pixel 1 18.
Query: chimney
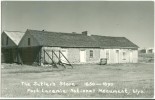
pixel 74 32
pixel 85 33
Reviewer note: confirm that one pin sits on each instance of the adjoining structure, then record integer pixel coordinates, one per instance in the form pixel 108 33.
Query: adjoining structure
pixel 150 50
pixel 9 42
pixel 147 50
pixel 44 47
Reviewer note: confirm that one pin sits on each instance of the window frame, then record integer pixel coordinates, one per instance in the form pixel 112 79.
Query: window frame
pixel 107 52
pixel 29 41
pixel 91 54
pixel 124 55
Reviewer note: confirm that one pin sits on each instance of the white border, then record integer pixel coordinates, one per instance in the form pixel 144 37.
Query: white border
pixel 72 98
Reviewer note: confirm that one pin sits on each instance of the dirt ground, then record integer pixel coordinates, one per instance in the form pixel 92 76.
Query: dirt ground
pixel 83 81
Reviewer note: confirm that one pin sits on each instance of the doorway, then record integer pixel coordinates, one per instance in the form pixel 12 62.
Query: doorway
pixel 117 56
pixel 82 56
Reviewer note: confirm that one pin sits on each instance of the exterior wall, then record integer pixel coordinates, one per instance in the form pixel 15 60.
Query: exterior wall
pixel 126 58
pixel 95 58
pixel 45 59
pixel 103 55
pixel 123 56
pixel 72 54
pixel 9 55
pixel 24 41
pixel 4 39
pixel 112 56
pixel 30 55
pixel 135 56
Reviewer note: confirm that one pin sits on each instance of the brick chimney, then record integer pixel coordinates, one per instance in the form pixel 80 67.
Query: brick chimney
pixel 85 33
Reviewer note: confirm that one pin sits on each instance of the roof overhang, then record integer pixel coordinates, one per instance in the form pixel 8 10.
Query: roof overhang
pixel 113 47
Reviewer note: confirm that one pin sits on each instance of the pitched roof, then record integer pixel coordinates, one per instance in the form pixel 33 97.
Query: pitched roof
pixel 63 39
pixel 59 39
pixel 114 42
pixel 15 36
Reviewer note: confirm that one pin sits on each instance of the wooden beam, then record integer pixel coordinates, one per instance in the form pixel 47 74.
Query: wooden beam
pixel 44 57
pixel 55 54
pixel 66 59
pixel 52 56
pixel 59 62
pixel 59 56
pixel 40 57
pixel 51 59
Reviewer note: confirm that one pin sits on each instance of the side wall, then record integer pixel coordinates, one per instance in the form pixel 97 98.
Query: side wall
pixel 46 52
pixel 120 55
pixel 135 56
pixel 9 55
pixel 30 55
pixel 72 54
pixel 95 58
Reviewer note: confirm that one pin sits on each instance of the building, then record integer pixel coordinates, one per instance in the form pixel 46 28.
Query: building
pixel 9 45
pixel 150 50
pixel 147 50
pixel 44 47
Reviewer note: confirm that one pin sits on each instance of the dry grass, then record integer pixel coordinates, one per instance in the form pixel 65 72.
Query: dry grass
pixel 130 76
pixel 146 58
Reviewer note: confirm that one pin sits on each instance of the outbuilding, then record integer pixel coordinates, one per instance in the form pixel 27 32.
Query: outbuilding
pixel 9 46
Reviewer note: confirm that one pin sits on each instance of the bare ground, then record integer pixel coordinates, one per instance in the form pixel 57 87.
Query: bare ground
pixel 132 77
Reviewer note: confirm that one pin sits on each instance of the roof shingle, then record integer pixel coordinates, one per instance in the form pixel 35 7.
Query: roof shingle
pixel 58 39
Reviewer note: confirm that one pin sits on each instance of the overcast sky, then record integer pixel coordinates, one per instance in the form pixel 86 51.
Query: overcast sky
pixel 131 19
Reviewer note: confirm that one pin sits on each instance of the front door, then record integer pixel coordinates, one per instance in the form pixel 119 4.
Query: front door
pixel 82 56
pixel 117 56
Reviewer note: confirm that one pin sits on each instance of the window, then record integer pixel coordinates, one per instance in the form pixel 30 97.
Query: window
pixel 29 41
pixel 124 55
pixel 7 40
pixel 107 54
pixel 117 51
pixel 91 53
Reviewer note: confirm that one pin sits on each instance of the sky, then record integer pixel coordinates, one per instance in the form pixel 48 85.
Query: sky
pixel 131 19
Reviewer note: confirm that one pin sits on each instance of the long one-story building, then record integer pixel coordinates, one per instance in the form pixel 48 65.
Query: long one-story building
pixel 9 46
pixel 44 47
